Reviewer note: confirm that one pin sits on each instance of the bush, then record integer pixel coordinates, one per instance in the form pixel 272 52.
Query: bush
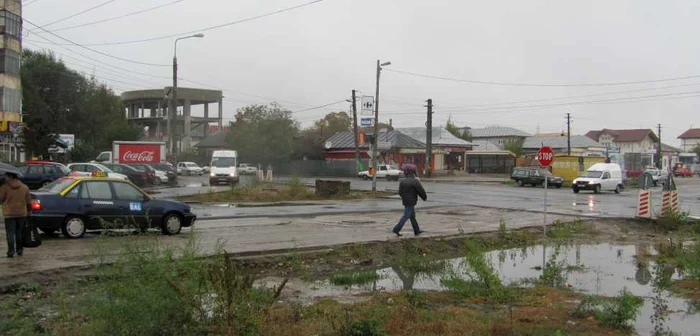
pixel 617 312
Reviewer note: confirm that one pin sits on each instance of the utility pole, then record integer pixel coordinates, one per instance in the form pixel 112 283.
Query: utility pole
pixel 429 140
pixel 354 130
pixel 568 134
pixel 658 150
pixel 173 112
pixel 375 141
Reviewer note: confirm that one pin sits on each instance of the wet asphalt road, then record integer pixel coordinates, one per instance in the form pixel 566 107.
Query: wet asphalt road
pixel 560 201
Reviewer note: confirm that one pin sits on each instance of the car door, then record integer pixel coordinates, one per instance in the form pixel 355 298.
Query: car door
pixel 98 205
pixel 382 172
pixel 607 182
pixel 135 206
pixel 35 173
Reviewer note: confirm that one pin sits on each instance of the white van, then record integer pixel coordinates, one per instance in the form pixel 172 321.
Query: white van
pixel 223 167
pixel 600 177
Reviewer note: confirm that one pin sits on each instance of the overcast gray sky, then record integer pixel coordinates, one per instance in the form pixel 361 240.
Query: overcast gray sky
pixel 315 55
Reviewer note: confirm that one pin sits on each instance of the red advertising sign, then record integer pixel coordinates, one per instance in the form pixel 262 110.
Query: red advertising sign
pixel 139 153
pixel 545 156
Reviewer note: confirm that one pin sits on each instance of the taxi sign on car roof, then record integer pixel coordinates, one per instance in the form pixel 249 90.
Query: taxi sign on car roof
pixel 99 174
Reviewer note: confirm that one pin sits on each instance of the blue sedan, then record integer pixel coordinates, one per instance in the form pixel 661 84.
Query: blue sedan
pixel 77 204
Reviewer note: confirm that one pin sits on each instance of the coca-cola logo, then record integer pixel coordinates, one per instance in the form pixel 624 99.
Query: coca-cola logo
pixel 144 156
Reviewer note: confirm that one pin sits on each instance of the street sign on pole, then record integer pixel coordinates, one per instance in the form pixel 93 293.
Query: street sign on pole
pixel 366 122
pixel 367 106
pixel 545 156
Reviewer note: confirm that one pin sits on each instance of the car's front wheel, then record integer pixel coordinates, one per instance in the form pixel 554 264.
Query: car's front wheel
pixel 74 227
pixel 520 183
pixel 596 190
pixel 575 190
pixel 172 224
pixel 617 189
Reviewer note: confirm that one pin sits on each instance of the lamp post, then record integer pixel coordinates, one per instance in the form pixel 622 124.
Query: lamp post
pixel 376 126
pixel 173 101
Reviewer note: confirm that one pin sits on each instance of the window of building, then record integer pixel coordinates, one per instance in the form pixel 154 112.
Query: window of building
pixel 12 24
pixel 10 99
pixel 9 62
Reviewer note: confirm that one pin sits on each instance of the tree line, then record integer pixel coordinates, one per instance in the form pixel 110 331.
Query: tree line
pixel 58 100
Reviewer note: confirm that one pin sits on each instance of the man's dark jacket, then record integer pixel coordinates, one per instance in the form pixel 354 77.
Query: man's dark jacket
pixel 409 190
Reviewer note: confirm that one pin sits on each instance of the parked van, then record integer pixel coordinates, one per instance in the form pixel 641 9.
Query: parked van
pixel 600 177
pixel 223 167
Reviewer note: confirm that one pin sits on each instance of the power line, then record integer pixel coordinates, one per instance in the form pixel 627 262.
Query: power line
pixel 93 50
pixel 29 3
pixel 78 13
pixel 320 106
pixel 540 84
pixel 119 17
pixel 206 28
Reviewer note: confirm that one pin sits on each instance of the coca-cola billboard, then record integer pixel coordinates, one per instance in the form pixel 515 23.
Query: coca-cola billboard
pixel 139 153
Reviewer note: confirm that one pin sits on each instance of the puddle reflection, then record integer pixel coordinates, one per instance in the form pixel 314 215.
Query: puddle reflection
pixel 602 269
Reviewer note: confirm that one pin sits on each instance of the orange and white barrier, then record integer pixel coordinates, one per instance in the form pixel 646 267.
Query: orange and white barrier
pixel 269 175
pixel 669 202
pixel 644 204
pixel 261 175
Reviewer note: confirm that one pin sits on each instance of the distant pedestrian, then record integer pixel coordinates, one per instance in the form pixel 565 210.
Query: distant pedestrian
pixel 14 196
pixel 409 190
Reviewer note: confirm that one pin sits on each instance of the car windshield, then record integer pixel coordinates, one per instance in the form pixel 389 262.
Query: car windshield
pixel 545 172
pixel 593 174
pixel 57 186
pixel 223 162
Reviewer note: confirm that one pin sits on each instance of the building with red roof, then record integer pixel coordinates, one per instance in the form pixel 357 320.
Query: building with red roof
pixel 690 139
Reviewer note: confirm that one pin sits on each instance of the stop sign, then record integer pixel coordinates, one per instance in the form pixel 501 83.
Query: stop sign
pixel 545 155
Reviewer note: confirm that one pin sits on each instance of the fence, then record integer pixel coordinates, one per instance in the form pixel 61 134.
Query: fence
pixel 310 168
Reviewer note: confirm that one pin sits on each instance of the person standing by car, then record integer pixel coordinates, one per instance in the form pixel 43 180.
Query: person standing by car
pixel 15 197
pixel 409 190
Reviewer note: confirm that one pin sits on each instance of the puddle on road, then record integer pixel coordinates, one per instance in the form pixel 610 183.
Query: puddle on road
pixel 602 269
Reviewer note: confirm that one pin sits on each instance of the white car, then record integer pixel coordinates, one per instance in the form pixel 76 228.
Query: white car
pixel 189 168
pixel 245 168
pixel 657 175
pixel 385 171
pixel 600 177
pixel 161 176
pixel 86 169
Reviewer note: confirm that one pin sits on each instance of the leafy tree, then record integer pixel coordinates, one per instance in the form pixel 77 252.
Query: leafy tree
pixel 333 123
pixel 515 146
pixel 263 134
pixel 58 100
pixel 456 131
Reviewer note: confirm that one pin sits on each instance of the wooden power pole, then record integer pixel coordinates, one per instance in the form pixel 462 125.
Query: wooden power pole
pixel 354 130
pixel 429 140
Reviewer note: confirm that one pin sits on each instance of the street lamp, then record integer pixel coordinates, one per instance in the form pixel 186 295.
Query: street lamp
pixel 376 125
pixel 173 100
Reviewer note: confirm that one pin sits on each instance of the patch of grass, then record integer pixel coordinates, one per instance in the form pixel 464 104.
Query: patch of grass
pixel 512 236
pixel 673 220
pixel 356 278
pixel 269 193
pixel 617 312
pixel 561 230
pixel 554 274
pixel 482 279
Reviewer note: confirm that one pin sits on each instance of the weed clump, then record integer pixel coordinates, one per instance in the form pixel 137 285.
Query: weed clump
pixel 483 280
pixel 357 278
pixel 617 312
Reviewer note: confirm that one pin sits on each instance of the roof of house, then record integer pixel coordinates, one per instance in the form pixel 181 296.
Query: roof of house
pixel 630 135
pixel 486 145
pixel 693 133
pixel 217 140
pixel 559 142
pixel 344 140
pixel 497 132
pixel 669 148
pixel 441 136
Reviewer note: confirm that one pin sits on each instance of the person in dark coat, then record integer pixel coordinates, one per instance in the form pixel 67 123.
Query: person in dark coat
pixel 409 190
pixel 14 196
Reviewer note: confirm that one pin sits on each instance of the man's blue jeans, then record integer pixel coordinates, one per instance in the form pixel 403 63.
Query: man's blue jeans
pixel 409 212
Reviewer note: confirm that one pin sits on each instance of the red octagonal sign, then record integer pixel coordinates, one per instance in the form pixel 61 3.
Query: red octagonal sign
pixel 545 155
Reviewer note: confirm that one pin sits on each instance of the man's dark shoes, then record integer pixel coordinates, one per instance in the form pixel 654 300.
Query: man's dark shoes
pixel 419 232
pixel 398 234
pixel 19 253
pixel 10 255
